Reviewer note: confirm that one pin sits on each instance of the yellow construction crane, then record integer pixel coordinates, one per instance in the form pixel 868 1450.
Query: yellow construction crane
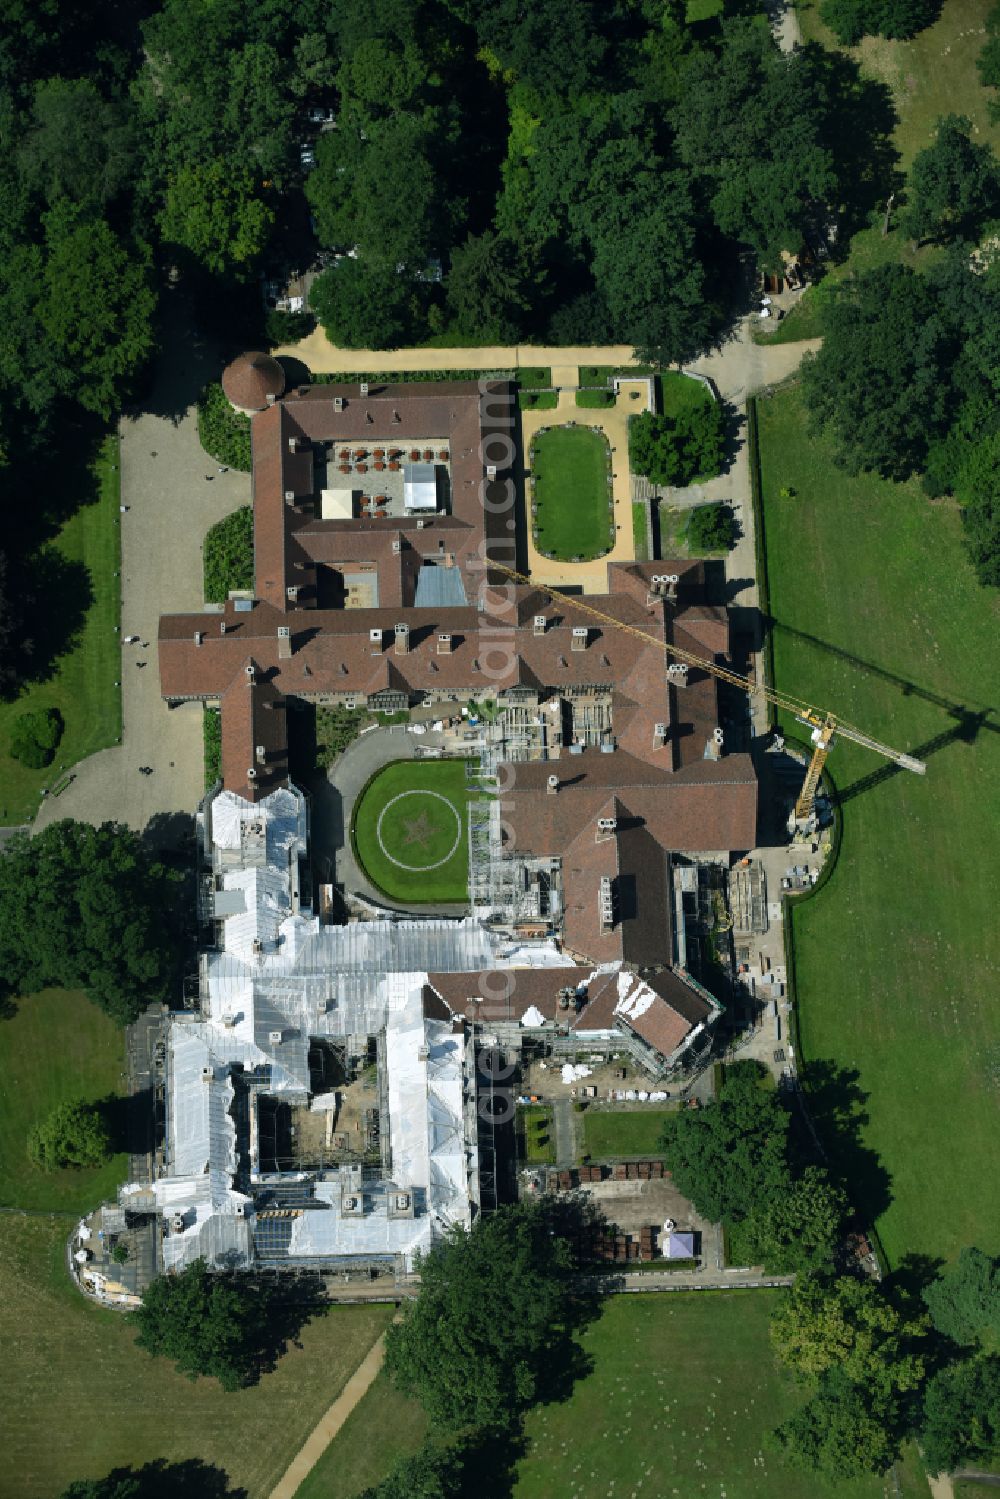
pixel 824 726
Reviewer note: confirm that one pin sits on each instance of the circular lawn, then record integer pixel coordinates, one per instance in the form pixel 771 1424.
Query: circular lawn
pixel 572 511
pixel 410 832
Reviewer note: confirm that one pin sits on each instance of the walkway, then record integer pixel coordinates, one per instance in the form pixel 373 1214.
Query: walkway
pixel 324 358
pixel 329 1425
pixel 592 577
pixel 171 504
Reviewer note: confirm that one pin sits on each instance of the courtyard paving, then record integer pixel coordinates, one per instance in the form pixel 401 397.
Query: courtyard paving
pixel 173 493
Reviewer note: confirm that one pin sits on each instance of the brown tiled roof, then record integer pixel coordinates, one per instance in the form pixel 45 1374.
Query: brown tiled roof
pixel 254 735
pixel 250 379
pixel 671 1008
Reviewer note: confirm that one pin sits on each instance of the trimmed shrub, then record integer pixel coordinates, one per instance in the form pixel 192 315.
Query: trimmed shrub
pixel 74 1135
pixel 287 327
pixel 223 432
pixel 229 555
pixel 35 737
pixel 679 450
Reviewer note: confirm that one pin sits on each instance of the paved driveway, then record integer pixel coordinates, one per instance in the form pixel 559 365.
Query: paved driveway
pixel 171 504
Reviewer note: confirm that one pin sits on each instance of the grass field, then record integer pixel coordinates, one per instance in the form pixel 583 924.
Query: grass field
pixel 877 615
pixel 570 467
pixel 680 393
pixel 82 1399
pixel 681 1392
pixel 539 1135
pixel 354 1462
pixel 410 831
pixel 608 1133
pixel 640 538
pixel 82 681
pixel 57 1046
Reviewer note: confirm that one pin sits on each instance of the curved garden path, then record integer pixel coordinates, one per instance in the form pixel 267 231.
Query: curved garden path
pixel 329 1425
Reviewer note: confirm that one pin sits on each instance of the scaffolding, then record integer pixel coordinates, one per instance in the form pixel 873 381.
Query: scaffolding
pixel 748 898
pixel 508 890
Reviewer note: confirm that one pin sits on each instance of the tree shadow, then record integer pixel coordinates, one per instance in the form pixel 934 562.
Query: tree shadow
pixel 190 1479
pixel 835 1103
pixel 859 121
pixel 170 833
pixel 288 1304
pixel 489 1463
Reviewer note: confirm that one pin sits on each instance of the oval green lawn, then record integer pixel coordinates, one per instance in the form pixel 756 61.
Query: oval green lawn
pixel 573 514
pixel 410 832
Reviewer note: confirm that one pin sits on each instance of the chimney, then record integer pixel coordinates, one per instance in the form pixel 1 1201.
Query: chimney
pixel 258 754
pixel 363 387
pixel 421 523
pixel 605 828
pixel 395 416
pixel 677 672
pixel 713 746
pixel 402 639
pixel 606 904
pixel 284 643
pixel 580 637
pixel 292 593
pixel 375 640
pixel 292 442
pixel 251 671
pixel 538 628
pixel 671 580
pixel 444 645
pixel 270 398
pixel 251 774
pixel 222 627
pixel 199 636
pixel 491 472
pixel 552 785
pixel 397 545
pixel 659 735
pixel 289 496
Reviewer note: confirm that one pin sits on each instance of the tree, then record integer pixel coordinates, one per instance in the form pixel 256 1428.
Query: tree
pixel 490 288
pixel 16 645
pixel 954 185
pixel 729 1155
pixel 850 20
pixel 961 1420
pixel 97 308
pixel 74 1134
pixel 211 1325
pixel 842 1432
pixel 78 145
pixel 751 123
pixel 492 1319
pixel 965 1303
pixel 711 528
pixel 34 737
pixel 679 449
pixel 881 383
pixel 213 212
pixel 432 1473
pixel 362 305
pixel 850 1326
pixel 988 61
pixel 551 47
pixel 978 489
pixel 88 907
pixel 798 1230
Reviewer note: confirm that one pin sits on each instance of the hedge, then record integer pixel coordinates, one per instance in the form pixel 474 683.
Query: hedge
pixel 223 432
pixel 229 555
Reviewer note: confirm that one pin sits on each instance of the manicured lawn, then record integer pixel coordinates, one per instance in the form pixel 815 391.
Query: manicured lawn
pixel 595 399
pixel 680 393
pixel 55 1047
pixel 681 1393
pixel 571 490
pixel 608 1133
pixel 640 540
pixel 81 1399
pixel 411 831
pixel 878 616
pixel 354 1461
pixel 82 682
pixel 539 1135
